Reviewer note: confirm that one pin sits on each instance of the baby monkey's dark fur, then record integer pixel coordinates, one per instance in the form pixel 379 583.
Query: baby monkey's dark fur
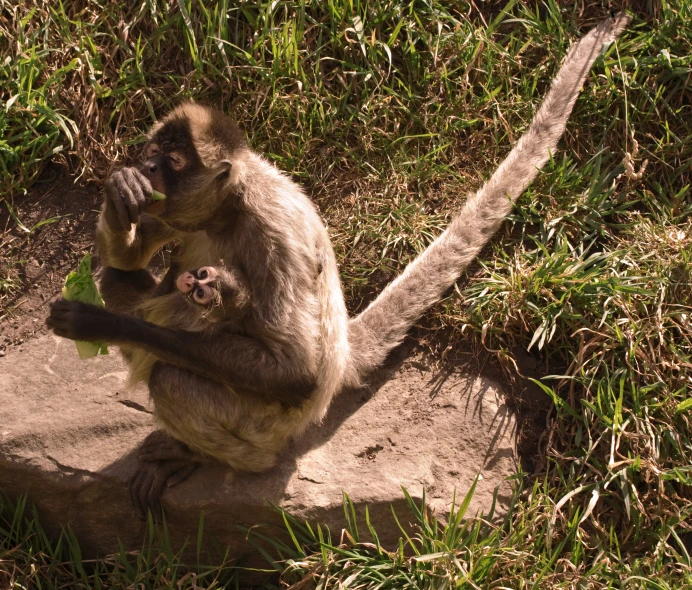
pixel 236 391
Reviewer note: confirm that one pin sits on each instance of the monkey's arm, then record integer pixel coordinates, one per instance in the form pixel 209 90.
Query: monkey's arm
pixel 133 249
pixel 247 364
pixel 127 237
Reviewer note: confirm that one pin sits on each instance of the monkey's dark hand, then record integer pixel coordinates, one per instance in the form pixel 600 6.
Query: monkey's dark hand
pixel 82 321
pixel 127 193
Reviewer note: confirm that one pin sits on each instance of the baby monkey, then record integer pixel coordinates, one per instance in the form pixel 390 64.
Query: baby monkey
pixel 199 284
pixel 219 294
pixel 206 299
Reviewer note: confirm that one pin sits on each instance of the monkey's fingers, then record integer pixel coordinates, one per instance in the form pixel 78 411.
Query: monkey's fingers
pixel 145 186
pixel 114 196
pixel 137 483
pixel 78 321
pixel 127 199
pixel 62 309
pixel 182 474
pixel 121 209
pixel 61 305
pixel 56 319
pixel 134 196
pixel 60 317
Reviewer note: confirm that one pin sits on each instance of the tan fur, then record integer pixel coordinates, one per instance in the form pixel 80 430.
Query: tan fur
pixel 384 324
pixel 297 308
pixel 247 435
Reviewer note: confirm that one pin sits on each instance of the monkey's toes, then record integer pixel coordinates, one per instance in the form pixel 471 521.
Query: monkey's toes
pixel 159 446
pixel 149 482
pixel 146 487
pixel 182 474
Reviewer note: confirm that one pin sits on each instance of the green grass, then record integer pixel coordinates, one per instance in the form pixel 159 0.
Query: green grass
pixel 389 112
pixel 32 558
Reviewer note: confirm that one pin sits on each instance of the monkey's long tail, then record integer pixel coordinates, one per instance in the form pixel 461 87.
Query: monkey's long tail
pixel 384 324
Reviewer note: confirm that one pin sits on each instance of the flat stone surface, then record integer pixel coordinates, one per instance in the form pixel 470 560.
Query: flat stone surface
pixel 69 431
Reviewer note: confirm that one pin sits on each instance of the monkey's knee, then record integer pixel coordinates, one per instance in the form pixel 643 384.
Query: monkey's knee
pixel 168 382
pixel 124 290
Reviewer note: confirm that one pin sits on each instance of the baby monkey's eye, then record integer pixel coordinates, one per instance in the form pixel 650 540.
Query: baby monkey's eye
pixel 203 294
pixel 203 274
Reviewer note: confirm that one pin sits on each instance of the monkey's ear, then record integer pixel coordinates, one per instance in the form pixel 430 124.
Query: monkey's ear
pixel 225 167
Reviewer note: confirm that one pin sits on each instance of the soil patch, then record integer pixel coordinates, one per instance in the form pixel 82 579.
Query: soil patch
pixel 34 264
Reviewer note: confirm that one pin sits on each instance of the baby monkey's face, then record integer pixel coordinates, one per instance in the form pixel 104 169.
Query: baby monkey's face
pixel 200 284
pixel 222 293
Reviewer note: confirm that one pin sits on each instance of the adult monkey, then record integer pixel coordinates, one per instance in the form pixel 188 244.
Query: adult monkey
pixel 239 395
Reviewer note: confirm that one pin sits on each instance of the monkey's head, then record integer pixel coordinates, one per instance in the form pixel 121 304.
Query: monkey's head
pixel 218 293
pixel 189 157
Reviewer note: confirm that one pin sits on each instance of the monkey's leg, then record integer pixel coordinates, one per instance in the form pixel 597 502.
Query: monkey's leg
pixel 252 365
pixel 217 423
pixel 164 462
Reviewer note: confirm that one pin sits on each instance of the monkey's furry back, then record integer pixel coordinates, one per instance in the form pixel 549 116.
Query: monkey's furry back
pixel 383 325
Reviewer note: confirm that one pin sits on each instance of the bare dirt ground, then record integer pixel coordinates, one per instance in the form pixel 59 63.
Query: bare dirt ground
pixel 33 267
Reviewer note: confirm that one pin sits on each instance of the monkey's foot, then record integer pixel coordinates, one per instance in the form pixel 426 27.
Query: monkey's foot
pixel 82 321
pixel 164 462
pixel 159 446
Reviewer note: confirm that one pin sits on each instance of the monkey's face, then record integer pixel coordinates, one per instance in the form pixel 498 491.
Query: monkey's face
pixel 199 284
pixel 188 158
pixel 173 167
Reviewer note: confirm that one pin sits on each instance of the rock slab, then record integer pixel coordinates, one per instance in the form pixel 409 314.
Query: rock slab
pixel 69 431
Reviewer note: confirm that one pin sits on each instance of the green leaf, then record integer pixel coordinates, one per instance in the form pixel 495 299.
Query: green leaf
pixel 80 286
